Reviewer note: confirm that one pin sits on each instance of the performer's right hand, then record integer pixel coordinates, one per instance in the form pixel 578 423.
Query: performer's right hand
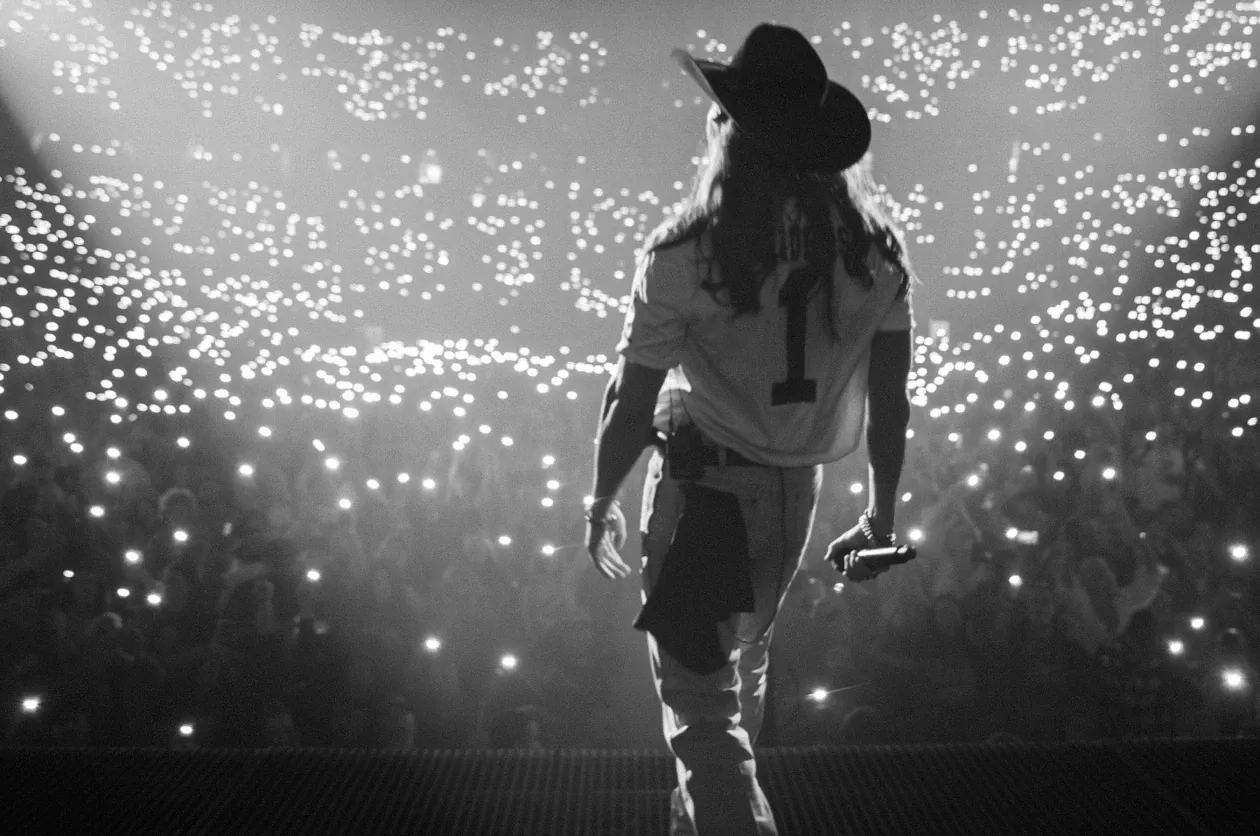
pixel 841 554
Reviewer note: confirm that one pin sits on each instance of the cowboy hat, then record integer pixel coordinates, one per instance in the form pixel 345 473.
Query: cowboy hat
pixel 777 91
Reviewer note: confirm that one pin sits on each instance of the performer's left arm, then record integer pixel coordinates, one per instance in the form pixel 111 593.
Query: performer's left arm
pixel 625 425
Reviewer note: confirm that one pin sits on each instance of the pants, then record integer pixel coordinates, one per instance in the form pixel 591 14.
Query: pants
pixel 711 721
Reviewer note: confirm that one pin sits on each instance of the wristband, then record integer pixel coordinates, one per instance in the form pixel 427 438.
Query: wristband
pixel 864 522
pixel 607 501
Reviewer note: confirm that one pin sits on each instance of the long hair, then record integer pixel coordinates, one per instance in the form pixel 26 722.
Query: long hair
pixel 739 195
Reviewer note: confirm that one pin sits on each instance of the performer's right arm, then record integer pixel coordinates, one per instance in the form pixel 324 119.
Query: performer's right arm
pixel 888 415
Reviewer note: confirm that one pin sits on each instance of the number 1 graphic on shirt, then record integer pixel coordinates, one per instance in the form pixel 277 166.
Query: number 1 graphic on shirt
pixel 794 295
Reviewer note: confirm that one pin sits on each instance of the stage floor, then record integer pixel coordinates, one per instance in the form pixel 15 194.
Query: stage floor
pixel 1131 787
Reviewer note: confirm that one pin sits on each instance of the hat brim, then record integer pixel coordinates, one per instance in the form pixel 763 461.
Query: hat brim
pixel 831 138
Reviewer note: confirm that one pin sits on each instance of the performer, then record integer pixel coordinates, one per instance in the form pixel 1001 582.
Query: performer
pixel 770 322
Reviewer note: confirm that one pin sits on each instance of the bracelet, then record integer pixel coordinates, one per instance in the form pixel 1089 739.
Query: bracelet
pixel 608 501
pixel 864 522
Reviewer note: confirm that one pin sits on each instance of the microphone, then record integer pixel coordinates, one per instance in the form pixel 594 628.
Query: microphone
pixel 882 558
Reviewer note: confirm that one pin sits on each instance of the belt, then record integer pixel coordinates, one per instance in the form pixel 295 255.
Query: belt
pixel 717 456
pixel 712 455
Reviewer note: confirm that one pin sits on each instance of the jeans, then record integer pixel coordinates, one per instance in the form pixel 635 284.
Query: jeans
pixel 711 721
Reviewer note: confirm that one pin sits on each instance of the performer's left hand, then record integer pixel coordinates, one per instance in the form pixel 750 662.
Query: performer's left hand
pixel 604 536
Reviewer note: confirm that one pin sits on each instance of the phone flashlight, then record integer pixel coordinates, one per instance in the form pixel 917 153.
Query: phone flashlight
pixel 1233 679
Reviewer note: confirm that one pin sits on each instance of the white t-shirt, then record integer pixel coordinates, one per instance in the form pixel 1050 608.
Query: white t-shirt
pixel 748 387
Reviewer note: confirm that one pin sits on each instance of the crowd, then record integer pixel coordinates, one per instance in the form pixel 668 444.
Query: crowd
pixel 161 594
pixel 164 595
pixel 1107 588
